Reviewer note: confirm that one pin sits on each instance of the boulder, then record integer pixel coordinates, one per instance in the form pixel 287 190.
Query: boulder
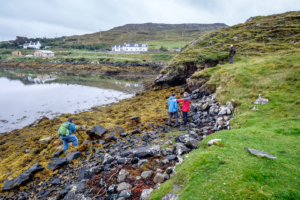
pixel 57 163
pixel 187 141
pixel 170 196
pixel 158 178
pixel 57 154
pixel 96 131
pixel 73 155
pixel 122 175
pixel 119 129
pixel 145 193
pixel 142 152
pixel 136 131
pixel 180 149
pixel 125 193
pixel 146 174
pixel 123 186
pixel 260 153
pixel 261 101
pixel 211 142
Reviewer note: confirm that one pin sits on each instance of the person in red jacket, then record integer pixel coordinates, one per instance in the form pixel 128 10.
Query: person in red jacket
pixel 185 106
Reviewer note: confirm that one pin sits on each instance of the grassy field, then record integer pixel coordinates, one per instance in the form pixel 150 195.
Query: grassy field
pixel 226 170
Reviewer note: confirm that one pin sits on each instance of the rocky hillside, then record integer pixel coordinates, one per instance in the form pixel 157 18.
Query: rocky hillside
pixel 259 36
pixel 157 26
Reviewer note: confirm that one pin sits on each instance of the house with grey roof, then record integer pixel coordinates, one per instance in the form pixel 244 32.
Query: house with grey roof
pixel 34 45
pixel 130 48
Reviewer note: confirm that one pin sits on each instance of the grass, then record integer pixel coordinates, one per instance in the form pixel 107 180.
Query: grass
pixel 230 172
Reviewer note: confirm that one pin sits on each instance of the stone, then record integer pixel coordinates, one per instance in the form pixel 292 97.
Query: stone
pixel 224 110
pixel 166 176
pixel 57 154
pixel 255 108
pixel 180 148
pixel 136 131
pixel 124 134
pixel 141 162
pixel 170 196
pixel 107 159
pixel 111 189
pixel 134 120
pixel 89 173
pixel 125 193
pixel 73 196
pixel 171 157
pixel 123 186
pixel 146 174
pixel 260 153
pixel 82 171
pixel 57 163
pixel 169 170
pixel 142 152
pixel 122 175
pixel 96 131
pixel 145 137
pixel 187 141
pixel 158 178
pixel 56 143
pixel 211 142
pixel 138 178
pixel 112 136
pixel 35 168
pixel 73 155
pixel 27 151
pixel 261 101
pixel 119 129
pixel 56 181
pixel 145 193
pixel 258 24
pixel 165 161
pixel 45 140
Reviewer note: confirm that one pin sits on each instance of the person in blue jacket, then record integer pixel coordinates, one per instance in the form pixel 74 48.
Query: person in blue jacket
pixel 173 110
pixel 71 137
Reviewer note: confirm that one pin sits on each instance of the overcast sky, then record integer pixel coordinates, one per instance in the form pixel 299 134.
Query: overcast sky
pixel 46 18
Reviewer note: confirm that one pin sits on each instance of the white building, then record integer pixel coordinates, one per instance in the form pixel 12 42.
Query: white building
pixel 34 45
pixel 130 47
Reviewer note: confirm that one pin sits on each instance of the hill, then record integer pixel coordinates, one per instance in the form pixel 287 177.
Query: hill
pixel 267 63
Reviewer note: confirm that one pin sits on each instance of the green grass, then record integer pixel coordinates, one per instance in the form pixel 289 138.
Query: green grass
pixel 230 172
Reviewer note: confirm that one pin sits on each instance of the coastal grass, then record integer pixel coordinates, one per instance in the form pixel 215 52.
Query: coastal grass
pixel 227 171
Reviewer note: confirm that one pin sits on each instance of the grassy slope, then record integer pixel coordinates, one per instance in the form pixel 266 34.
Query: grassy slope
pixel 226 171
pixel 274 128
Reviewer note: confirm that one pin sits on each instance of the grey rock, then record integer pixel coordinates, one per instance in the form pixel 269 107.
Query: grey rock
pixel 165 161
pixel 258 24
pixel 57 163
pixel 141 162
pixel 175 187
pixel 261 101
pixel 123 186
pixel 142 152
pixel 107 159
pixel 171 157
pixel 73 155
pixel 169 170
pixel 56 181
pixel 136 131
pixel 73 196
pixel 260 153
pixel 146 174
pixel 122 175
pixel 45 140
pixel 119 129
pixel 124 134
pixel 125 193
pixel 145 193
pixel 180 148
pixel 158 178
pixel 166 176
pixel 224 110
pixel 170 196
pixel 57 154
pixel 96 131
pixel 111 189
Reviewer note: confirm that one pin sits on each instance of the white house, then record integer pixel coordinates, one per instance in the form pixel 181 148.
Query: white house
pixel 34 45
pixel 130 47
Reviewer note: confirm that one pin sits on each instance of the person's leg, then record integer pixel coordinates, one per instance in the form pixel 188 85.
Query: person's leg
pixel 184 115
pixel 73 138
pixel 176 118
pixel 65 143
pixel 170 118
pixel 231 59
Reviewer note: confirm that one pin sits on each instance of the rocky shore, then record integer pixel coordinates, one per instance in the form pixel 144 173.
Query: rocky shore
pixel 124 160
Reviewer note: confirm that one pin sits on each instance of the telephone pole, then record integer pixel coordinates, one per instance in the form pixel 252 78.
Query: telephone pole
pixel 78 41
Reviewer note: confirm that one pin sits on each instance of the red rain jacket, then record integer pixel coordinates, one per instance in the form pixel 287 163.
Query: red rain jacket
pixel 185 105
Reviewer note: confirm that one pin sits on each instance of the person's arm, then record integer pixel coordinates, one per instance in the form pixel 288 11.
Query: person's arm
pixel 180 100
pixel 72 128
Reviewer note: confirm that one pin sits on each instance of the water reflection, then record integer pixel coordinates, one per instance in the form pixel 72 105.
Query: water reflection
pixel 42 78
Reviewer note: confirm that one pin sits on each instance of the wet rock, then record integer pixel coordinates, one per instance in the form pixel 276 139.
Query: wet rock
pixel 261 101
pixel 169 170
pixel 96 131
pixel 122 175
pixel 146 174
pixel 158 178
pixel 260 153
pixel 125 193
pixel 73 155
pixel 171 157
pixel 136 131
pixel 124 134
pixel 180 149
pixel 119 129
pixel 45 140
pixel 56 181
pixel 123 186
pixel 111 189
pixel 142 152
pixel 57 154
pixel 57 163
pixel 141 162
pixel 107 159
pixel 145 193
pixel 211 142
pixel 170 196
pixel 73 196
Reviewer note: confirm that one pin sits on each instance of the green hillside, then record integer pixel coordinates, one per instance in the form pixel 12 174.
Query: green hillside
pixel 269 68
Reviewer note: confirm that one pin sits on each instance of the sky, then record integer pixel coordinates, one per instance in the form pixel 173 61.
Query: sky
pixel 51 18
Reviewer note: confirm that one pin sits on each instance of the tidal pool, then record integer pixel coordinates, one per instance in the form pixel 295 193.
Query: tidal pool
pixel 26 96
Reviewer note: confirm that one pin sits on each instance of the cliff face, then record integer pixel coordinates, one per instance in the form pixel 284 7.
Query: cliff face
pixel 159 26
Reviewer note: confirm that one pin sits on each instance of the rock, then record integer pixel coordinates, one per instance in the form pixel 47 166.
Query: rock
pixel 146 174
pixel 57 163
pixel 123 186
pixel 145 193
pixel 171 157
pixel 45 140
pixel 224 110
pixel 169 170
pixel 141 162
pixel 56 181
pixel 135 160
pixel 166 176
pixel 136 131
pixel 27 151
pixel 82 172
pixel 211 142
pixel 73 196
pixel 96 131
pixel 158 178
pixel 260 153
pixel 254 108
pixel 145 137
pixel 142 152
pixel 180 149
pixel 111 189
pixel 57 154
pixel 35 168
pixel 170 196
pixel 165 161
pixel 175 187
pixel 124 134
pixel 187 141
pixel 119 129
pixel 121 198
pixel 112 136
pixel 122 175
pixel 261 101
pixel 107 159
pixel 258 24
pixel 73 155
pixel 56 143
pixel 230 106
pixel 125 193
pixel 89 173
pixel 134 120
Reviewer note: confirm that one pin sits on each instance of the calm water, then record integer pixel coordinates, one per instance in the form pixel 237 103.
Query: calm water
pixel 25 97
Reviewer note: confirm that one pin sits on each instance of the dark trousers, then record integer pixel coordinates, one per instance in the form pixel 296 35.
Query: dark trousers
pixel 184 115
pixel 171 114
pixel 231 59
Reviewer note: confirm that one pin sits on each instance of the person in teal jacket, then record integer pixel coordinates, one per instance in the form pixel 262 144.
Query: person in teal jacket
pixel 173 109
pixel 71 137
